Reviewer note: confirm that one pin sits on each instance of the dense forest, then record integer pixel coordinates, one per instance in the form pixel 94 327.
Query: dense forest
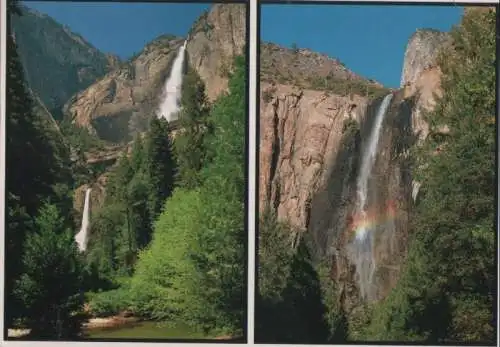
pixel 168 242
pixel 447 288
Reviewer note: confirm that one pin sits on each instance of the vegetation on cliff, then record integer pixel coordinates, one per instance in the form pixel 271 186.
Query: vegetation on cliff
pixel 311 70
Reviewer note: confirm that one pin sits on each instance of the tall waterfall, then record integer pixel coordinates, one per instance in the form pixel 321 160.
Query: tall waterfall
pixel 360 250
pixel 173 88
pixel 81 237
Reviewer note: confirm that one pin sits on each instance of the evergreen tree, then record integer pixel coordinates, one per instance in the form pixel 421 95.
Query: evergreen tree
pixel 193 270
pixel 447 290
pixel 289 305
pixel 37 167
pixel 188 145
pixel 159 165
pixel 50 284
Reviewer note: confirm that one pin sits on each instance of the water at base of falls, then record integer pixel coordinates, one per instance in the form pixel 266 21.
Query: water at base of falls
pixel 360 250
pixel 172 91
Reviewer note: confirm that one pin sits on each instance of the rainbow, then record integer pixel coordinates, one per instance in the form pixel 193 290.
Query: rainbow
pixel 362 223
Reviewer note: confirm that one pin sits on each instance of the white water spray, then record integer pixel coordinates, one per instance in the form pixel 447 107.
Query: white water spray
pixel 81 237
pixel 361 249
pixel 169 108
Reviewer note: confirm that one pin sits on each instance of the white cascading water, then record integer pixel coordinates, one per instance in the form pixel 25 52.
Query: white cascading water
pixel 361 248
pixel 81 237
pixel 169 108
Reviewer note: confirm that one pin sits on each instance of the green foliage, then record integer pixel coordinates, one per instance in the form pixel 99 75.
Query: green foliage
pixel 193 270
pixel 350 127
pixel 49 286
pixel 335 316
pixel 159 165
pixel 188 145
pixel 79 137
pixel 289 307
pixel 109 303
pixel 345 87
pixel 38 168
pixel 136 192
pixel 447 289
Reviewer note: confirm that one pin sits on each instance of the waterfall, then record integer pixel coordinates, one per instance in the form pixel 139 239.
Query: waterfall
pixel 361 249
pixel 173 88
pixel 81 237
pixel 415 188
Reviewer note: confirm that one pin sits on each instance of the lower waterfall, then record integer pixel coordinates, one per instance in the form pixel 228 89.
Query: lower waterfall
pixel 81 237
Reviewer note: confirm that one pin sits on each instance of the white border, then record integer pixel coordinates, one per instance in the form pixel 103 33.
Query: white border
pixel 252 163
pixel 251 181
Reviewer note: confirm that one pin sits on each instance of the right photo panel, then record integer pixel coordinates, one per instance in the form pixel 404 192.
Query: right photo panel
pixel 377 175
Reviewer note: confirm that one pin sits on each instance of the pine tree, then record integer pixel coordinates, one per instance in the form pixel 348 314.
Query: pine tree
pixel 37 166
pixel 188 145
pixel 50 284
pixel 159 165
pixel 193 270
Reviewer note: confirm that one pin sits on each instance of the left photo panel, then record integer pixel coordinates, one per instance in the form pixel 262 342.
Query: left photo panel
pixel 126 172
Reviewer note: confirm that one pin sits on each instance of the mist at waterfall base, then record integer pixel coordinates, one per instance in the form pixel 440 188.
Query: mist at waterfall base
pixel 81 237
pixel 172 91
pixel 365 221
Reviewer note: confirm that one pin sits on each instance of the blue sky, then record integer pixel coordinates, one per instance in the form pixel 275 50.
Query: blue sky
pixel 122 28
pixel 369 39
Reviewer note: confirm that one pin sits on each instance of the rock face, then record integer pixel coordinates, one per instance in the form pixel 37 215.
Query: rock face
pixel 215 39
pixel 329 232
pixel 422 53
pixel 45 45
pixel 122 102
pixel 311 143
pixel 97 196
pixel 300 132
pixel 300 67
pixel 421 77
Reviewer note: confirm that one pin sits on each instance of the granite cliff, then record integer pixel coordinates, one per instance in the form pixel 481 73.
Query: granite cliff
pixel 313 127
pixel 120 104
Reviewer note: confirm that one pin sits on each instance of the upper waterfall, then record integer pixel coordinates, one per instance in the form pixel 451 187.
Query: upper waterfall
pixel 81 237
pixel 172 91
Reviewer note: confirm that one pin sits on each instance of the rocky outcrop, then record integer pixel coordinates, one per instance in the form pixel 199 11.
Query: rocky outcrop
pixel 46 45
pixel 422 53
pixel 300 132
pixel 214 41
pixel 421 77
pixel 122 102
pixel 303 67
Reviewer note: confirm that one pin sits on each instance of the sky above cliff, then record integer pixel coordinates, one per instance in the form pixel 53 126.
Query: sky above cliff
pixel 369 39
pixel 122 28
